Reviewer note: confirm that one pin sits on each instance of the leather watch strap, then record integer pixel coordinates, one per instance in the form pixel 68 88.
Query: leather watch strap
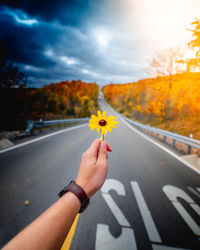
pixel 79 192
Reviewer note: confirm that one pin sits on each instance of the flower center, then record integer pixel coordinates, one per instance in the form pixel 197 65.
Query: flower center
pixel 102 122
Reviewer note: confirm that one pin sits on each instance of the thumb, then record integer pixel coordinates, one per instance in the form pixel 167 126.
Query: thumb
pixel 102 156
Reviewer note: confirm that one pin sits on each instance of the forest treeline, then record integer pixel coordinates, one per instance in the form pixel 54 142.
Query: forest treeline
pixel 171 103
pixel 66 99
pixel 170 100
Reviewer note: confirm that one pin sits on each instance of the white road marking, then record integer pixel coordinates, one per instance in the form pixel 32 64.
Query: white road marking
pixel 111 184
pixel 105 241
pixel 196 208
pixel 115 210
pixel 40 138
pixel 162 147
pixel 198 189
pixel 172 193
pixel 187 218
pixel 160 247
pixel 194 192
pixel 126 240
pixel 146 214
pixel 157 144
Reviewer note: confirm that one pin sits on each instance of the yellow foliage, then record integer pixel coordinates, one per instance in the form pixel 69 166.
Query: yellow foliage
pixel 154 98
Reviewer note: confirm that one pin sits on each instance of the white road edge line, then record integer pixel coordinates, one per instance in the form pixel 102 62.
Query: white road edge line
pixel 157 144
pixel 162 147
pixel 40 138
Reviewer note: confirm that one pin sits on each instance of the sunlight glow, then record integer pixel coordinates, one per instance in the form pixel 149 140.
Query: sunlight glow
pixel 160 24
pixel 103 37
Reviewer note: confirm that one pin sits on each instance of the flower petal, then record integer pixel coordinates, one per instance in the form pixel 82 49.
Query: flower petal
pixel 104 115
pixel 98 129
pixel 109 129
pixel 113 126
pixel 110 118
pixel 99 114
pixel 103 130
pixel 93 127
pixel 94 117
pixel 114 122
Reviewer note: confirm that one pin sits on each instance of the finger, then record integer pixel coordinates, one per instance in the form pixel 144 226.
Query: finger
pixel 109 148
pixel 94 148
pixel 102 156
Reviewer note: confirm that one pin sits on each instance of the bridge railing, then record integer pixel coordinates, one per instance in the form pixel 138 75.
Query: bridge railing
pixel 189 142
pixel 39 125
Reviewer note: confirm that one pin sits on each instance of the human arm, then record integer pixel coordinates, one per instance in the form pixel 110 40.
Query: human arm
pixel 50 229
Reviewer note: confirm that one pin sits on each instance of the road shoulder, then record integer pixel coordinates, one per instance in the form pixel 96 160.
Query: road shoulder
pixel 193 159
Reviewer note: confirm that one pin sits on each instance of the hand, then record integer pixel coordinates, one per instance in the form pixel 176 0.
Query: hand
pixel 93 168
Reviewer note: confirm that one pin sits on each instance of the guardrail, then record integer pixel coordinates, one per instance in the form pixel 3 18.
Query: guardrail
pixel 189 142
pixel 32 125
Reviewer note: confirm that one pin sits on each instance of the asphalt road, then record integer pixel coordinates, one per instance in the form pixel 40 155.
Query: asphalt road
pixel 150 199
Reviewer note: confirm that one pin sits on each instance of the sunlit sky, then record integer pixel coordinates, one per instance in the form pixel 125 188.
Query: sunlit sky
pixel 99 41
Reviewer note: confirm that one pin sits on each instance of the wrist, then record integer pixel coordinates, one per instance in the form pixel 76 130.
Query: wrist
pixel 69 196
pixel 85 187
pixel 78 191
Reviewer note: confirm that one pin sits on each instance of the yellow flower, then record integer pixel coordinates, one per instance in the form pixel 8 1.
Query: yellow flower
pixel 103 123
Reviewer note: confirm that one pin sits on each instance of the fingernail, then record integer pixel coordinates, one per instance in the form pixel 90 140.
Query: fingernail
pixel 103 145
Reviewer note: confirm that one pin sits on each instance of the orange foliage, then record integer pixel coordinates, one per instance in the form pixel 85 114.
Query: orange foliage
pixel 153 101
pixel 75 98
pixel 54 101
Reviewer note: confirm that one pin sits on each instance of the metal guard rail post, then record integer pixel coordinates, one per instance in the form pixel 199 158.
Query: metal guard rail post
pixel 31 125
pixel 166 134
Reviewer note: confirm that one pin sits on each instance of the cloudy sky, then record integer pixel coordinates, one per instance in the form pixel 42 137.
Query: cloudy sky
pixel 99 41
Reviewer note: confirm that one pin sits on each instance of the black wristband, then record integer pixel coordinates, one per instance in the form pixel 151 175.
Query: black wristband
pixel 79 192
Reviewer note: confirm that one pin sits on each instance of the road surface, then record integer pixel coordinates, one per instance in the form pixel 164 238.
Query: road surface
pixel 150 199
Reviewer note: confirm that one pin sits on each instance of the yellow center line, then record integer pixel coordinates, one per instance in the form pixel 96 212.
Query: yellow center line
pixel 68 241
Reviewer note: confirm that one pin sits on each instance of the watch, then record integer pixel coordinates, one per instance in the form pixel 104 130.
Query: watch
pixel 79 192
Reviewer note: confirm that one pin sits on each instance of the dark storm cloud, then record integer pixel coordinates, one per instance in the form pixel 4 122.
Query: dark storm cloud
pixel 24 43
pixel 68 12
pixel 66 40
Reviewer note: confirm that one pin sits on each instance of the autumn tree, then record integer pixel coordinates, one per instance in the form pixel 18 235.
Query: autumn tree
pixel 194 44
pixel 166 63
pixel 149 99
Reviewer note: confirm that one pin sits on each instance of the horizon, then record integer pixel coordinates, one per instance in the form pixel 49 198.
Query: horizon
pixel 95 41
